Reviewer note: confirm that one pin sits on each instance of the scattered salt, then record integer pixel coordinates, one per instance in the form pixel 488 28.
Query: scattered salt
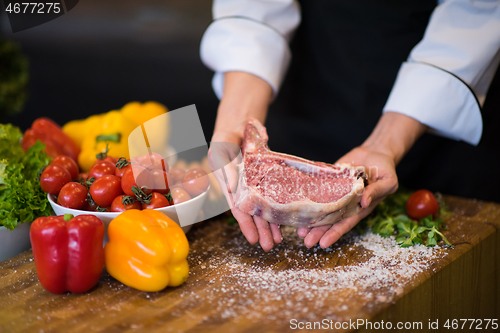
pixel 295 281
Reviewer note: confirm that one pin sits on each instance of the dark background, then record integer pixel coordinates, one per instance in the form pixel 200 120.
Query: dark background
pixel 103 54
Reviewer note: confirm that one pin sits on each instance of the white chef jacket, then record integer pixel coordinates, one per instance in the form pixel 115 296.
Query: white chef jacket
pixel 443 83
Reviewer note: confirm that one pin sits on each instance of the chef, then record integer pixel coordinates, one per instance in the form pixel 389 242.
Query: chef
pixel 404 82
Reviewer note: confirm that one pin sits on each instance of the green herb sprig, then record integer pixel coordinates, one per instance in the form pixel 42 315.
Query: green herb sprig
pixel 390 218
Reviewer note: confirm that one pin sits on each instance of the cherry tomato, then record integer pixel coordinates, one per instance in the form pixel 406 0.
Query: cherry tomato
pixel 105 189
pixel 177 185
pixel 161 180
pixel 421 204
pixel 90 206
pixel 68 163
pixel 157 201
pixel 82 176
pixel 95 208
pixel 152 161
pixel 120 170
pixel 179 195
pixel 118 206
pixel 53 178
pixel 137 176
pixel 72 195
pixel 101 168
pixel 176 175
pixel 110 159
pixel 195 182
pixel 138 159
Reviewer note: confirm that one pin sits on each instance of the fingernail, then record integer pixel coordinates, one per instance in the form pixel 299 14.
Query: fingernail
pixel 368 201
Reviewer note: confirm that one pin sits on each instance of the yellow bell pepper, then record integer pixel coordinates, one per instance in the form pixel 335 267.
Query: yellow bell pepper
pixel 140 113
pixel 112 131
pixel 78 130
pixel 146 250
pixel 91 134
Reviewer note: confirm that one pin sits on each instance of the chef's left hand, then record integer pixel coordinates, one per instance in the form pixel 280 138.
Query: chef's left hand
pixel 381 170
pixel 391 139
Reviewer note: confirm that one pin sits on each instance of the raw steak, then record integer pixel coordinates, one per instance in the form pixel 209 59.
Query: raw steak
pixel 290 190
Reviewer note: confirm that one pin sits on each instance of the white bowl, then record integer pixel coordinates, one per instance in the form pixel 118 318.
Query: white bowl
pixel 189 211
pixel 14 242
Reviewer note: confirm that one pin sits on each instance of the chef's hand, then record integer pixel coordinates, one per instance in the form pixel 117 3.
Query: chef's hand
pixel 381 170
pixel 245 96
pixel 223 156
pixel 391 139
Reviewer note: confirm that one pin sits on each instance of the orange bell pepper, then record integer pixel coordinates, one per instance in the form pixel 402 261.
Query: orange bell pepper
pixel 146 250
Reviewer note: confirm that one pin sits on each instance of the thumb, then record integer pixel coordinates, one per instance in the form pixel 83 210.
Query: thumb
pixel 379 190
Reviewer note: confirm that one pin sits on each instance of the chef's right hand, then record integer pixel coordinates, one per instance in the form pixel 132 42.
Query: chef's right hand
pixel 224 155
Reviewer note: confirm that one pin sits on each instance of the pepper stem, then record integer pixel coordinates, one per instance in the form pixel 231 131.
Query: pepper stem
pixel 68 217
pixel 140 194
pixel 104 154
pixel 122 162
pixel 115 137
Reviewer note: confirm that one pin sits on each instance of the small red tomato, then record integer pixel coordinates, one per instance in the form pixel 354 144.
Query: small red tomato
pixel 105 189
pixel 110 159
pixel 90 206
pixel 176 175
pixel 72 195
pixel 177 185
pixel 179 195
pixel 158 200
pixel 82 176
pixel 68 163
pixel 195 182
pixel 53 178
pixel 121 166
pixel 161 180
pixel 101 168
pixel 118 204
pixel 152 161
pixel 421 204
pixel 137 176
pixel 120 172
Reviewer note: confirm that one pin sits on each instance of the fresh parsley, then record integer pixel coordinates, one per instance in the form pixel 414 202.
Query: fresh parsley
pixel 390 218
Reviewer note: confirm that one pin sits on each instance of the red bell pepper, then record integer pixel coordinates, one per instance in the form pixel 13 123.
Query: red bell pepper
pixel 55 140
pixel 68 252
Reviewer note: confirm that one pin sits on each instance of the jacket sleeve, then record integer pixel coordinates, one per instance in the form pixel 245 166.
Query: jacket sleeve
pixel 250 36
pixel 444 81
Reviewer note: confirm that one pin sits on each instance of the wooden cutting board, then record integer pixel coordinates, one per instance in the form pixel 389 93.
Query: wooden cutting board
pixel 237 287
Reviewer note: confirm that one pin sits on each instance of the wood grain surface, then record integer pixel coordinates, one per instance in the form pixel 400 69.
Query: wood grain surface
pixel 237 287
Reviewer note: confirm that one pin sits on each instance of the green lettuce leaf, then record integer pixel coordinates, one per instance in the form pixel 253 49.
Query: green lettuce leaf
pixel 21 197
pixel 10 143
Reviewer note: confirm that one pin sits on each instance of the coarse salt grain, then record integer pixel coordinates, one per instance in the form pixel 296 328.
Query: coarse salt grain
pixel 259 288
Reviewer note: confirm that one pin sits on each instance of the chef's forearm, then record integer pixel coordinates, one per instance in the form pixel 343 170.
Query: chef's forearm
pixel 245 96
pixel 394 135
